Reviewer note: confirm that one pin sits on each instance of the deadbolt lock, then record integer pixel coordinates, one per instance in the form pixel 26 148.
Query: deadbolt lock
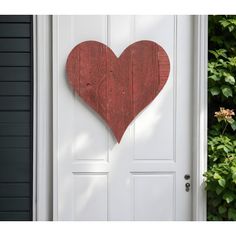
pixel 187 177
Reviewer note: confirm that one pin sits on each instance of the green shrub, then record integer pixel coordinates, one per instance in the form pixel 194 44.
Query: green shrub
pixel 222 70
pixel 221 64
pixel 221 178
pixel 221 174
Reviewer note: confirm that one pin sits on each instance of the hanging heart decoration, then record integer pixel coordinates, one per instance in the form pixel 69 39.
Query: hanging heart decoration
pixel 118 88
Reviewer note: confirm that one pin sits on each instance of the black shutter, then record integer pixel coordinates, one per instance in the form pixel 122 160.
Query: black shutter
pixel 16 117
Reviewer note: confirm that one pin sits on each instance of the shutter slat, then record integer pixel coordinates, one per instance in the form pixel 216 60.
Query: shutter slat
pixel 15 142
pixel 14 45
pixel 15 88
pixel 14 190
pixel 15 216
pixel 14 103
pixel 15 204
pixel 15 117
pixel 14 129
pixel 15 18
pixel 14 59
pixel 15 74
pixel 15 165
pixel 14 30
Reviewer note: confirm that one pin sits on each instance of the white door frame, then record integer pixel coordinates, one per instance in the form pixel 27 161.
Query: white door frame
pixel 45 121
pixel 200 117
pixel 43 174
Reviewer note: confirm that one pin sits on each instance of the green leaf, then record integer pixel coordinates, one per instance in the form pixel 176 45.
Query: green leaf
pixel 219 52
pixel 228 197
pixel 224 23
pixel 232 61
pixel 231 28
pixel 234 176
pixel 233 168
pixel 219 190
pixel 227 91
pixel 222 209
pixel 230 120
pixel 222 52
pixel 223 146
pixel 232 214
pixel 215 91
pixel 233 21
pixel 222 182
pixel 214 77
pixel 230 79
pixel 214 53
pixel 217 176
pixel 233 125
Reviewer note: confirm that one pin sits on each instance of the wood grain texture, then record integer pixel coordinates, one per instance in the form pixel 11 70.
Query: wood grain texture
pixel 118 88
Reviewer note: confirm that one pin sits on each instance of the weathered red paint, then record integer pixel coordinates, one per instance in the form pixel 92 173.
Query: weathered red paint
pixel 118 88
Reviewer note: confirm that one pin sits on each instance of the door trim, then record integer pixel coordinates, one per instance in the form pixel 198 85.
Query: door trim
pixel 45 117
pixel 200 116
pixel 42 143
pixel 55 63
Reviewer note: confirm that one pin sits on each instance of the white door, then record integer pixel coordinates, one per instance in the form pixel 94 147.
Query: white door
pixel 142 177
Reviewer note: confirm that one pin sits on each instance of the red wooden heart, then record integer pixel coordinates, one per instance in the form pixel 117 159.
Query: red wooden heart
pixel 118 88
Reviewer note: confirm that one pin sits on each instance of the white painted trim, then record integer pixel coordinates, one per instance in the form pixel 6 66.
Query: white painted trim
pixel 55 63
pixel 42 191
pixel 200 116
pixel 34 200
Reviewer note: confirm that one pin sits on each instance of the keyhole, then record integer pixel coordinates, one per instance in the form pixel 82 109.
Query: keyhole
pixel 187 187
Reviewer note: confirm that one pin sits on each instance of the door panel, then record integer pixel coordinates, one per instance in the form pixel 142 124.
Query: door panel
pixel 142 178
pixel 89 206
pixel 158 192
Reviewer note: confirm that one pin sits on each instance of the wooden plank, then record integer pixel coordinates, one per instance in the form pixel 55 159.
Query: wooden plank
pixel 15 88
pixel 118 89
pixel 14 45
pixel 15 190
pixel 14 129
pixel 15 103
pixel 15 204
pixel 15 30
pixel 15 18
pixel 15 116
pixel 15 216
pixel 15 74
pixel 15 59
pixel 15 142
